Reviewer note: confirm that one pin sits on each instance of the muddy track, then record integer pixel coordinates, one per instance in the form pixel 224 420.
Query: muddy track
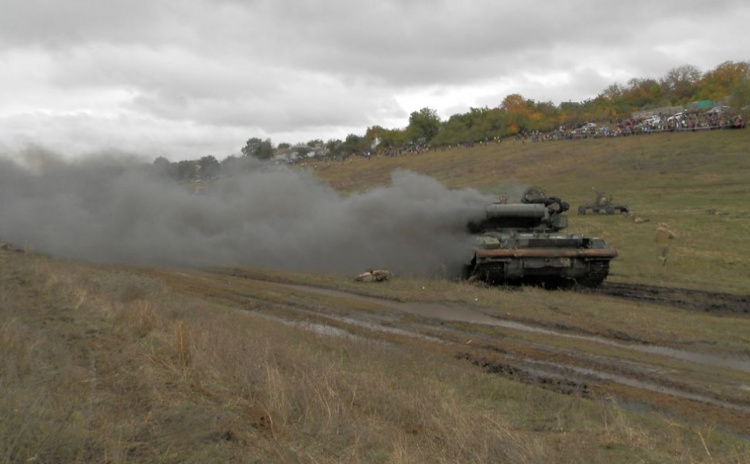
pixel 694 300
pixel 696 384
pixel 564 371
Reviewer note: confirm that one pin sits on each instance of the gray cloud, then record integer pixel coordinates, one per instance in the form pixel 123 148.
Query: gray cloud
pixel 292 68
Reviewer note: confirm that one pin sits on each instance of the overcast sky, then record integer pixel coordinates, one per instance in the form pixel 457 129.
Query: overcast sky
pixel 187 78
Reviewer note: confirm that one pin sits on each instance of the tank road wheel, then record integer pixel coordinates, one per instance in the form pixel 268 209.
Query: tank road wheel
pixel 609 210
pixel 557 283
pixel 598 271
pixel 489 274
pixel 582 210
pixel 466 271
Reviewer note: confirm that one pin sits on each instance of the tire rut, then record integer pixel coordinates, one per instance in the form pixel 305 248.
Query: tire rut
pixel 719 303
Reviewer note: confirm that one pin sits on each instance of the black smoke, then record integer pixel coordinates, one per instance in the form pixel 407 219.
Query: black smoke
pixel 116 210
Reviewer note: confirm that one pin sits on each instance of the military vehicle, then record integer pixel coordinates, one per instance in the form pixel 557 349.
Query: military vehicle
pixel 519 243
pixel 602 204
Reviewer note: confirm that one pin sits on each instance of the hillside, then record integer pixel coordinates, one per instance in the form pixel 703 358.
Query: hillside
pixel 697 183
pixel 118 364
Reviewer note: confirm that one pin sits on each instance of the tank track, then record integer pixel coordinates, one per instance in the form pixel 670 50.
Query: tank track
pixel 493 274
pixel 599 270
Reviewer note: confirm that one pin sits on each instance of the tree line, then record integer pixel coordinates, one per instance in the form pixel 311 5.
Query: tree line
pixel 728 83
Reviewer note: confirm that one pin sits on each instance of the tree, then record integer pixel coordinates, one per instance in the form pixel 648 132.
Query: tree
pixel 161 162
pixel 642 93
pixel 680 83
pixel 740 96
pixel 302 150
pixel 164 168
pixel 515 104
pixel 187 170
pixel 261 149
pixel 423 124
pixel 352 144
pixel 519 111
pixel 229 165
pixel 724 79
pixel 209 167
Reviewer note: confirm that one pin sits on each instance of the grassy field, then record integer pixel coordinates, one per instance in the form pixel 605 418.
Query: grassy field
pixel 676 178
pixel 103 364
pixel 119 365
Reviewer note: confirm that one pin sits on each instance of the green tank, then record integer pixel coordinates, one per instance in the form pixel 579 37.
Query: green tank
pixel 520 243
pixel 602 204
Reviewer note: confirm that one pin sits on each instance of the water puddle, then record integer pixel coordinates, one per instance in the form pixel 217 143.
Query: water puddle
pixel 329 330
pixel 314 327
pixel 381 328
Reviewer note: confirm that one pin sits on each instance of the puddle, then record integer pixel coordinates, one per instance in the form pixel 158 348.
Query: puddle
pixel 382 328
pixel 355 322
pixel 320 329
pixel 329 330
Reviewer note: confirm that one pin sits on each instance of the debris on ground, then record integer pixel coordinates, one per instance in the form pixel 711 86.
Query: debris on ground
pixel 635 218
pixel 8 247
pixel 374 275
pixel 716 212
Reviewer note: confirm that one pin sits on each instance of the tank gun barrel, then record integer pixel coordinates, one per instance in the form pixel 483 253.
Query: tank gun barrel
pixel 520 216
pixel 520 210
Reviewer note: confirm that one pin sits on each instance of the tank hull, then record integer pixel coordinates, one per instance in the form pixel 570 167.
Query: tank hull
pixel 548 267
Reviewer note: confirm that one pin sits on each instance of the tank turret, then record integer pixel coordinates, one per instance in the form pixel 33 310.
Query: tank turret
pixel 524 243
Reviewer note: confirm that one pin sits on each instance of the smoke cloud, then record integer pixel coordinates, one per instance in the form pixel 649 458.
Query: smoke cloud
pixel 121 211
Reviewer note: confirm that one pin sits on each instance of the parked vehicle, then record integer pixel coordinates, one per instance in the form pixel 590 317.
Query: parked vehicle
pixel 602 204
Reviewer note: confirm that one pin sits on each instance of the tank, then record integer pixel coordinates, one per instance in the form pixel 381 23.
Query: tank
pixel 523 243
pixel 602 204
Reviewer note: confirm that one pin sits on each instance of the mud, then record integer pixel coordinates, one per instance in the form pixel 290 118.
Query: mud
pixel 531 376
pixel 694 300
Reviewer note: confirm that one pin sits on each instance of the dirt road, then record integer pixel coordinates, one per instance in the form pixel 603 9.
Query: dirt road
pixel 693 384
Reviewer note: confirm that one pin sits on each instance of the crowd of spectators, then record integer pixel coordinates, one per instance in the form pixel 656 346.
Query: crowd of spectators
pixel 719 117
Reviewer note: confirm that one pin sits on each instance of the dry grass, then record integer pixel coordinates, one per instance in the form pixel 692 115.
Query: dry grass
pixel 109 365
